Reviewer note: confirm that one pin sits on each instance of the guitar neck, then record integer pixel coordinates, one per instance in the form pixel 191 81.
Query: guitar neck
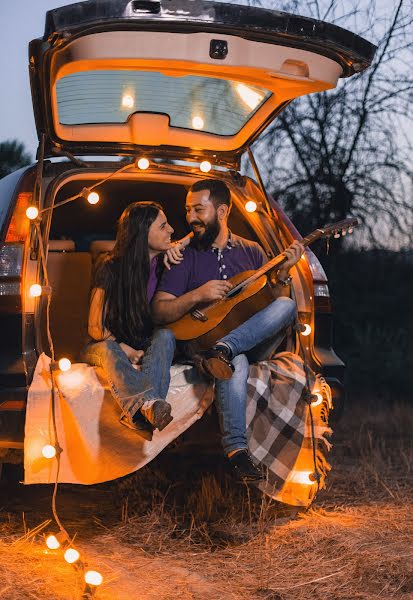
pixel 274 263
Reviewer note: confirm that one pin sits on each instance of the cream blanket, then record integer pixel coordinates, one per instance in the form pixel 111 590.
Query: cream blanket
pixel 96 447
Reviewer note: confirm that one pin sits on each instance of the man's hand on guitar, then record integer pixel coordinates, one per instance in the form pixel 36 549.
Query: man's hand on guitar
pixel 214 290
pixel 293 254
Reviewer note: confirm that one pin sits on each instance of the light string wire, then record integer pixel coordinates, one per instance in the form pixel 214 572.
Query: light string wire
pixel 89 590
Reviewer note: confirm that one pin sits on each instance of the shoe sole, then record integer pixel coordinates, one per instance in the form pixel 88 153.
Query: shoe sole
pixel 145 433
pixel 161 415
pixel 217 368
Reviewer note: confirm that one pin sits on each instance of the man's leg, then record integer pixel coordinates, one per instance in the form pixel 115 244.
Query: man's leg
pixel 264 325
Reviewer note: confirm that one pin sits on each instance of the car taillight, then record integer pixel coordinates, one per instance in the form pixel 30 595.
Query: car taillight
pixel 11 259
pixel 19 226
pixel 321 289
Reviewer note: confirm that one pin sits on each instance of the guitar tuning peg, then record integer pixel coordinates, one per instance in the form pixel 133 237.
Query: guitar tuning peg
pixel 344 232
pixel 350 230
pixel 337 234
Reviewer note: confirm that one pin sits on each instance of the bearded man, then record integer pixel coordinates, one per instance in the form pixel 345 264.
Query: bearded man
pixel 200 276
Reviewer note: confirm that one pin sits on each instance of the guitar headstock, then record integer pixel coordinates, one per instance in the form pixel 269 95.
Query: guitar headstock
pixel 339 229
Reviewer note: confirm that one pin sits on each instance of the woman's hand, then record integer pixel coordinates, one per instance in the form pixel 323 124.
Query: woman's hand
pixel 134 356
pixel 175 255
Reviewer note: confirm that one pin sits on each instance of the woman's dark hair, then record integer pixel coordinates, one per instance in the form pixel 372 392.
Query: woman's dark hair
pixel 126 313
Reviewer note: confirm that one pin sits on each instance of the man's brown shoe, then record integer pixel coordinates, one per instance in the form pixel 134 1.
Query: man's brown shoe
pixel 157 413
pixel 214 363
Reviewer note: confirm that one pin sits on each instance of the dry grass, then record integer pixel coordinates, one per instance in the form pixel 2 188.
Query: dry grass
pixel 200 537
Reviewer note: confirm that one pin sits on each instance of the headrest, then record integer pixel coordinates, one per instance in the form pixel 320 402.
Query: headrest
pixel 61 246
pixel 100 246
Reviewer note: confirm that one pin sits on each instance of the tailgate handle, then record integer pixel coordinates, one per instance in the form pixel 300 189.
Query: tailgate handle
pixel 148 6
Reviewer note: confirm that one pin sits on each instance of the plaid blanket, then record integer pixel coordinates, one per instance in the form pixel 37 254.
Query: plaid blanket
pixel 279 428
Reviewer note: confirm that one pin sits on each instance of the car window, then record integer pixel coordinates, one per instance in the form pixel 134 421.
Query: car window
pixel 217 106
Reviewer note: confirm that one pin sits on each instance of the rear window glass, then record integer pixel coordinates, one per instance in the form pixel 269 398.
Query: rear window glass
pixel 217 106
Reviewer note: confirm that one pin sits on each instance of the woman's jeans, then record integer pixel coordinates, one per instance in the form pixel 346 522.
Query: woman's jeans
pixel 264 329
pixel 131 388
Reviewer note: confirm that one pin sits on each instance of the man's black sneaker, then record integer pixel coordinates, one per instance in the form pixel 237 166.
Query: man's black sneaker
pixel 157 413
pixel 244 468
pixel 215 362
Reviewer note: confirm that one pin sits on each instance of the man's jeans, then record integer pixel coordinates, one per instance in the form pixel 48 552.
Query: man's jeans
pixel 231 394
pixel 131 388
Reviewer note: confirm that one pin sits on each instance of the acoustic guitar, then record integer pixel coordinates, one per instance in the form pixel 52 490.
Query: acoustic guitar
pixel 252 291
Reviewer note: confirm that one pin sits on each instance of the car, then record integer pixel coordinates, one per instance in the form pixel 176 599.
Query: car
pixel 137 100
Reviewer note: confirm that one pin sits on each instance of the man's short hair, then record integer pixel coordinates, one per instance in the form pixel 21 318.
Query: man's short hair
pixel 218 191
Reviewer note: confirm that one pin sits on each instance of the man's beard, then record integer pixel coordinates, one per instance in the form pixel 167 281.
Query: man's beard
pixel 206 239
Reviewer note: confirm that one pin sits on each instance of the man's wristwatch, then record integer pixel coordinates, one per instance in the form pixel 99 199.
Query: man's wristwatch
pixel 285 282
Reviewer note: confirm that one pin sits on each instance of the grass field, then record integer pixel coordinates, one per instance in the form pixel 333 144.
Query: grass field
pixel 158 535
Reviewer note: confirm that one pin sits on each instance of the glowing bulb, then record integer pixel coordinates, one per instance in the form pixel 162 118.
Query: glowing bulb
pixel 71 555
pixel 307 330
pixel 302 257
pixel 49 451
pixel 52 542
pixel 198 122
pixel 64 364
pixel 93 198
pixel 205 166
pixel 319 399
pixel 303 477
pixel 93 578
pixel 248 96
pixel 143 163
pixel 251 206
pixel 127 101
pixel 32 212
pixel 35 290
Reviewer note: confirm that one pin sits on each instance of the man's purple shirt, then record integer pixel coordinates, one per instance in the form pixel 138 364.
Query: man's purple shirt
pixel 200 266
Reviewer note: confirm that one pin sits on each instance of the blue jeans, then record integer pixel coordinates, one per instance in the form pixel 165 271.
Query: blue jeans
pixel 131 388
pixel 262 331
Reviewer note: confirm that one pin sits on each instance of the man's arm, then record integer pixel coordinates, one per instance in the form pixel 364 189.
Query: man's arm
pixel 167 308
pixel 293 254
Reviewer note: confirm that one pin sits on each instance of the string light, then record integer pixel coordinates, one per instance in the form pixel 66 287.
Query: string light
pixel 49 451
pixel 319 399
pixel 35 290
pixel 302 477
pixel 64 364
pixel 143 164
pixel 32 213
pixel 93 198
pixel 93 578
pixel 128 101
pixel 71 555
pixel 251 206
pixel 205 166
pixel 52 542
pixel 306 329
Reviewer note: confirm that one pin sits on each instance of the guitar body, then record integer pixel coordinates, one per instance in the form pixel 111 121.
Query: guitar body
pixel 223 316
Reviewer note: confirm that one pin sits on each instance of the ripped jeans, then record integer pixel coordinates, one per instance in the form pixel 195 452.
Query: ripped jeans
pixel 131 388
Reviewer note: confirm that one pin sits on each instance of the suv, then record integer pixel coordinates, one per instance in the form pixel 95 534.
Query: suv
pixel 187 86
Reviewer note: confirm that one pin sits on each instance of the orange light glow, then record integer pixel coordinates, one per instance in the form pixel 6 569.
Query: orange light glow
pixel 49 451
pixel 52 542
pixel 35 290
pixel 64 364
pixel 302 477
pixel 307 329
pixel 319 399
pixel 32 213
pixel 197 122
pixel 143 164
pixel 71 555
pixel 93 198
pixel 93 578
pixel 251 206
pixel 205 166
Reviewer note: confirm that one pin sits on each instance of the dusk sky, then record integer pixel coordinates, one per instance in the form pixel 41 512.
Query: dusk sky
pixel 21 22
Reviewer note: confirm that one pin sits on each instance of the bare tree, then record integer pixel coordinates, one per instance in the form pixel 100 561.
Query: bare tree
pixel 348 151
pixel 13 155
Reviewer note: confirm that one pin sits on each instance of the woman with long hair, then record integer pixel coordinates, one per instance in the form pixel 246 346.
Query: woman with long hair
pixel 135 356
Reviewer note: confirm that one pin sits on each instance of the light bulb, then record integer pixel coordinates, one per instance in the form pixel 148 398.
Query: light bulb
pixel 52 542
pixel 303 477
pixel 35 290
pixel 93 198
pixel 197 122
pixel 319 399
pixel 49 451
pixel 64 364
pixel 143 164
pixel 32 212
pixel 251 206
pixel 205 166
pixel 307 329
pixel 71 555
pixel 93 578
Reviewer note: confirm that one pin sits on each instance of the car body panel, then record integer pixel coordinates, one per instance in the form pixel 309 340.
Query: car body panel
pixel 285 55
